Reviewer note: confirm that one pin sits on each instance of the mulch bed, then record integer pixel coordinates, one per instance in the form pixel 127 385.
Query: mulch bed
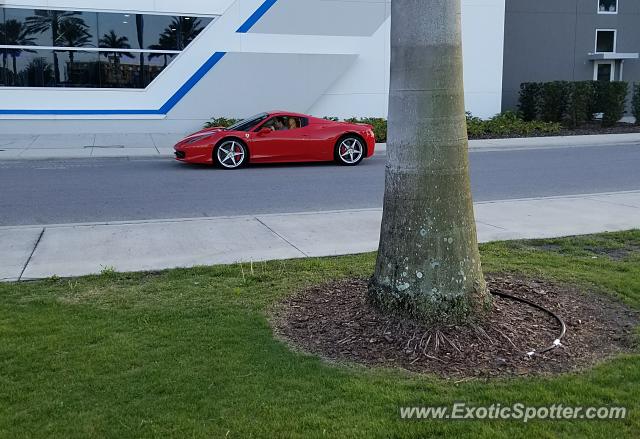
pixel 336 322
pixel 592 128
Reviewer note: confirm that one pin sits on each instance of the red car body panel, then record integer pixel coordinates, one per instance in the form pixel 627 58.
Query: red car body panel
pixel 314 142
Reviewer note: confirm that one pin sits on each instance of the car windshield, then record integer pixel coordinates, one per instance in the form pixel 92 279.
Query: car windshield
pixel 249 123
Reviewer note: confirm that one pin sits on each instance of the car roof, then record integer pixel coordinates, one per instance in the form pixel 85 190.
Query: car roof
pixel 286 113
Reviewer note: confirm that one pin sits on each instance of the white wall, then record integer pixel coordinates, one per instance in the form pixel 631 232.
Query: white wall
pixel 333 72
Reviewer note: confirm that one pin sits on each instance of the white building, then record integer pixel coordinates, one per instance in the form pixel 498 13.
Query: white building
pixel 138 66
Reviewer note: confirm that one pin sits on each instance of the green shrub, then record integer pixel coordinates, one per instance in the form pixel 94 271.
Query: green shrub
pixel 475 126
pixel 635 103
pixel 508 123
pixel 220 122
pixel 504 124
pixel 379 126
pixel 611 100
pixel 580 102
pixel 553 100
pixel 529 100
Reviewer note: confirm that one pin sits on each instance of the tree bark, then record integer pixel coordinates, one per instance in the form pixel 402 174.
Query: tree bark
pixel 428 263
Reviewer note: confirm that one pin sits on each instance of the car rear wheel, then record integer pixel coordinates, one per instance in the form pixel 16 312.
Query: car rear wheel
pixel 350 150
pixel 230 154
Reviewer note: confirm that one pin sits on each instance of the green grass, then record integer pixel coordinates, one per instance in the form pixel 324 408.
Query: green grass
pixel 189 353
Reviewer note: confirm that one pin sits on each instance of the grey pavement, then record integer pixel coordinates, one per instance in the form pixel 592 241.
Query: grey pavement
pixel 117 189
pixel 78 249
pixel 68 146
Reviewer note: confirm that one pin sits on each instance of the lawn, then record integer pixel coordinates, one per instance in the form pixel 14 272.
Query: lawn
pixel 189 353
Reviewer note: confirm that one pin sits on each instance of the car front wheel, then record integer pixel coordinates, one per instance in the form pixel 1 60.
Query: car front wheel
pixel 350 151
pixel 230 154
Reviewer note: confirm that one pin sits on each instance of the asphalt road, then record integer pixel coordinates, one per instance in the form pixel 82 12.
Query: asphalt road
pixel 93 190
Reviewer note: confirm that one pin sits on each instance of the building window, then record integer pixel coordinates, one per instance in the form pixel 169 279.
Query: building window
pixel 52 48
pixel 605 40
pixel 607 6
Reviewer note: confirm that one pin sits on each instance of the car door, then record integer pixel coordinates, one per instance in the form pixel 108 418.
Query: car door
pixel 320 140
pixel 284 145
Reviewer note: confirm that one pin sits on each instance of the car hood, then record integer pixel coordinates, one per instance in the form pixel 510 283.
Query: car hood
pixel 213 130
pixel 205 132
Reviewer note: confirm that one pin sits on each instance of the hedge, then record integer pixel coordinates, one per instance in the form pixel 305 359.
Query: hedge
pixel 508 123
pixel 573 103
pixel 635 103
pixel 504 124
pixel 529 97
pixel 611 98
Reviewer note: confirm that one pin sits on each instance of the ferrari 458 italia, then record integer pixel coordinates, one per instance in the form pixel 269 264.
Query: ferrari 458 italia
pixel 278 137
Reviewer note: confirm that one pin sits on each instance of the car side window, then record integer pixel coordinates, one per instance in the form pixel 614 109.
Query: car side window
pixel 294 122
pixel 285 123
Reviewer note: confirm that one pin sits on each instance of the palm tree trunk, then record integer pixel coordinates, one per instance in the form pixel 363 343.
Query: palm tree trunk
pixel 4 67
pixel 428 262
pixel 140 32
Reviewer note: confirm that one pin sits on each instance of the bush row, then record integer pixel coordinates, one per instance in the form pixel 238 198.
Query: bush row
pixel 573 103
pixel 508 123
pixel 504 124
pixel 635 103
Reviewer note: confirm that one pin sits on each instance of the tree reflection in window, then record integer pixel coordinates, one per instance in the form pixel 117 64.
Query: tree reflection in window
pixel 125 55
pixel 13 33
pixel 114 75
pixel 38 73
pixel 44 21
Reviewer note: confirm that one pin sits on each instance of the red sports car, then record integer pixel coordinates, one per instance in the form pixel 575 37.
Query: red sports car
pixel 278 137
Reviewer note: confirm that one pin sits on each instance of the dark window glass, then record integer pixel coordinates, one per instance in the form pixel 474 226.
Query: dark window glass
pixel 605 41
pixel 121 67
pixel 118 70
pixel 189 28
pixel 33 68
pixel 2 29
pixel 138 31
pixel 78 68
pixel 126 70
pixel 163 59
pixel 39 27
pixel 79 30
pixel 5 72
pixel 608 6
pixel 604 72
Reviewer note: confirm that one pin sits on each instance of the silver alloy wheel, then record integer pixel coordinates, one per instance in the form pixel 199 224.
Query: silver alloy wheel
pixel 350 150
pixel 231 154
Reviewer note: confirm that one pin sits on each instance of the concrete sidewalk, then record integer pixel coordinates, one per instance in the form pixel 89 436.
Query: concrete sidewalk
pixel 69 146
pixel 35 252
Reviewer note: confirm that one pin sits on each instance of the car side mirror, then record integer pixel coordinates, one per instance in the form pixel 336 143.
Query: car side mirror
pixel 264 131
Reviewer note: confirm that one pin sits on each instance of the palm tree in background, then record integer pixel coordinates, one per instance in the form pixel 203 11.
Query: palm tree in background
pixel 14 33
pixel 140 35
pixel 46 20
pixel 165 42
pixel 73 34
pixel 180 32
pixel 111 40
pixel 428 263
pixel 38 73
